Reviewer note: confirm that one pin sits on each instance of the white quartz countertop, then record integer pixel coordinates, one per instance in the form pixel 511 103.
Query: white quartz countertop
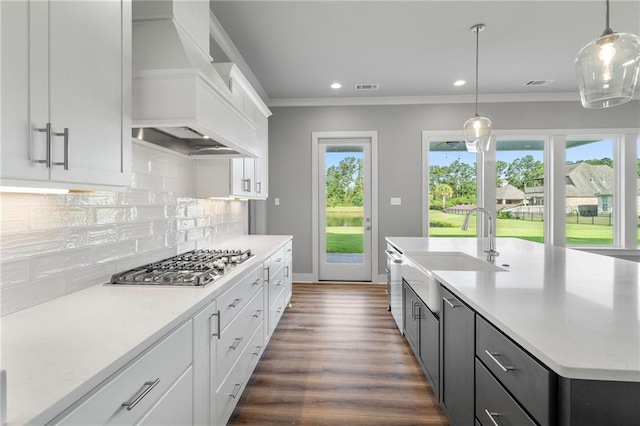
pixel 577 312
pixel 56 352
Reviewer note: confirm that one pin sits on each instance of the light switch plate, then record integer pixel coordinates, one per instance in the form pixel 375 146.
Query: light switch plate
pixel 276 201
pixel 396 201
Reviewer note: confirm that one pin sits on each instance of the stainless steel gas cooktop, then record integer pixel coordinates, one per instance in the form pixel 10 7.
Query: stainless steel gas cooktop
pixel 196 268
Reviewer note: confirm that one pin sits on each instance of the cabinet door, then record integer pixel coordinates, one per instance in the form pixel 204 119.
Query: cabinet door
pixel 86 83
pixel 205 334
pixel 457 345
pixel 411 319
pixel 260 186
pixel 288 282
pixel 23 146
pixel 238 183
pixel 430 346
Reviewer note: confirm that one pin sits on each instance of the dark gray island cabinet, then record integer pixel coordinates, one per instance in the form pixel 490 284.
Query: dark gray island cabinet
pixel 488 379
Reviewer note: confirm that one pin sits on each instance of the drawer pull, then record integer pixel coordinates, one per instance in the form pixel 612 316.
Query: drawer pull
pixel 450 303
pixel 257 314
pixel 279 283
pixel 415 314
pixel 236 343
pixel 235 303
pixel 255 282
pixel 236 390
pixel 493 356
pixel 217 333
pixel 144 391
pixel 287 269
pixel 257 351
pixel 492 417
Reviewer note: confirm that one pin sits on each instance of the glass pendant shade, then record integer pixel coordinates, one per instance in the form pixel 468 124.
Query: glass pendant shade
pixel 607 70
pixel 477 134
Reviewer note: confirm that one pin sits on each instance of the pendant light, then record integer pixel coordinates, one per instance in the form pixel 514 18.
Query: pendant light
pixel 607 68
pixel 477 130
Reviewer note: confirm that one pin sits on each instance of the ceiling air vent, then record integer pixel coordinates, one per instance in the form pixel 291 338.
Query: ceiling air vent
pixel 538 82
pixel 371 86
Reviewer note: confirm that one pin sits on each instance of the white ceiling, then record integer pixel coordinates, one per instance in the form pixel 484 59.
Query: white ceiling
pixel 415 50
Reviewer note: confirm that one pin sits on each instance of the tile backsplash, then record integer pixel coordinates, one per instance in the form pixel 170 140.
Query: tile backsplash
pixel 52 245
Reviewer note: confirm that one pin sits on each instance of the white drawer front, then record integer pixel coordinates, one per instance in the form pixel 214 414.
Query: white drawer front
pixel 288 250
pixel 276 261
pixel 231 389
pixel 142 383
pixel 276 311
pixel 231 302
pixel 276 284
pixel 236 336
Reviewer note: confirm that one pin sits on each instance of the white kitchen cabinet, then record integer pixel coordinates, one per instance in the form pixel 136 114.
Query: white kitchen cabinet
pixel 66 76
pixel 288 274
pixel 146 387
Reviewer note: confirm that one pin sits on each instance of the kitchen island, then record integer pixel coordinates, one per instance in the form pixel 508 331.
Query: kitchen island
pixel 58 352
pixel 576 313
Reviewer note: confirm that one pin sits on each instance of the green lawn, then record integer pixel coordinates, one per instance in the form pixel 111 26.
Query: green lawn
pixel 524 229
pixel 344 233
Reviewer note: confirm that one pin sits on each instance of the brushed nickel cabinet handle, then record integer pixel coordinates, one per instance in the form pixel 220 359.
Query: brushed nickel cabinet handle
pixel 257 314
pixel 144 391
pixel 493 355
pixel 217 333
pixel 236 390
pixel 259 187
pixel 492 417
pixel 65 135
pixel 449 303
pixel 235 303
pixel 257 350
pixel 47 131
pixel 236 343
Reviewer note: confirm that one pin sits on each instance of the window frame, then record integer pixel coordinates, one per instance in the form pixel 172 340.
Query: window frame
pixel 625 193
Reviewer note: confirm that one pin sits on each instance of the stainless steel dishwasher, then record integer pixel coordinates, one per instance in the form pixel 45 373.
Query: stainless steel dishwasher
pixel 394 283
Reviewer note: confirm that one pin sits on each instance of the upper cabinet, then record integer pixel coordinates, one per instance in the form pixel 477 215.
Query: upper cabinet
pixel 66 76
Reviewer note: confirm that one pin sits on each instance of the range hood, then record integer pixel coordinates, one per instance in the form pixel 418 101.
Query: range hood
pixel 179 100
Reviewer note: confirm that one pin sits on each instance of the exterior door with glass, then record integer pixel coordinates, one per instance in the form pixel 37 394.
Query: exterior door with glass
pixel 345 221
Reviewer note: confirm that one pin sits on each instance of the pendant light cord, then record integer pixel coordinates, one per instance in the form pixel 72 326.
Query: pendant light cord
pixel 607 29
pixel 477 48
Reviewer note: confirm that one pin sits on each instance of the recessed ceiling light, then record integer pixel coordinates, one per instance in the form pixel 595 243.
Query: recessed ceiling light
pixel 460 83
pixel 336 85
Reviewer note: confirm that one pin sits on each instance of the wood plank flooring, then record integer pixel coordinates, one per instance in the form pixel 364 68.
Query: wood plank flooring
pixel 337 358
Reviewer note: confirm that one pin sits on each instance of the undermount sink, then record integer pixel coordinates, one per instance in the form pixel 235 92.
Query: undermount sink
pixel 425 284
pixel 453 261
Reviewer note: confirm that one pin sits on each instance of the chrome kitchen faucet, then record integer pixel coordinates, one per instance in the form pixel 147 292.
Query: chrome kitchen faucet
pixel 491 252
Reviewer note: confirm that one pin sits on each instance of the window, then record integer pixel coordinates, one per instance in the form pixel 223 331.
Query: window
pixel 520 196
pixel 589 199
pixel 452 187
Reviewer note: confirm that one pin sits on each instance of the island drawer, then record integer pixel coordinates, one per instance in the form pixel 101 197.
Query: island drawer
pixel 532 384
pixel 231 302
pixel 494 405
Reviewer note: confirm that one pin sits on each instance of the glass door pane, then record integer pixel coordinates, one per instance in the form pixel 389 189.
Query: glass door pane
pixel 344 204
pixel 589 179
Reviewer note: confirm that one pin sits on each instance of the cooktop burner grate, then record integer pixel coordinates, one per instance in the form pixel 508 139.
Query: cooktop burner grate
pixel 194 268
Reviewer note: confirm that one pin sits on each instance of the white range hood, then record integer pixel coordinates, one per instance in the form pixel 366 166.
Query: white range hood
pixel 176 90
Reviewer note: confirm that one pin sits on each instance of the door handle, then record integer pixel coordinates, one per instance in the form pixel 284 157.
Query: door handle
pixel 368 227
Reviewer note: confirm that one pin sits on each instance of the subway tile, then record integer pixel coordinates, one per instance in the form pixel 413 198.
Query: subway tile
pixel 135 230
pixel 14 219
pixel 203 221
pixel 183 224
pixel 141 165
pixel 134 197
pixel 149 213
pixel 59 217
pixel 186 246
pixel 162 198
pixel 94 275
pixel 49 265
pixel 146 181
pixel 107 252
pixel 155 242
pixel 91 199
pixel 14 272
pixel 112 215
pixel 80 237
pixel 194 234
pixel 195 210
pixel 17 298
pixel 24 244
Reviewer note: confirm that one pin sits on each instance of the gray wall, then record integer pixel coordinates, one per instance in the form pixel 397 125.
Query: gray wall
pixel 399 155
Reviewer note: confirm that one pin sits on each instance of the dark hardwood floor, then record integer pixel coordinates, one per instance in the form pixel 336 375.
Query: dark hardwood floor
pixel 337 358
